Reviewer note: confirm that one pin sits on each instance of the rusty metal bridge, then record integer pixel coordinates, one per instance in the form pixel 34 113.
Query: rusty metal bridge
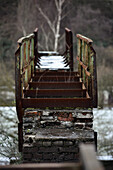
pixel 39 88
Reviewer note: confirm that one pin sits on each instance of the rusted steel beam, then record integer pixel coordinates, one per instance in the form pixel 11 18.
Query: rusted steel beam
pixel 20 136
pixel 55 85
pixel 55 93
pixel 94 80
pixel 58 73
pixel 36 46
pixel 56 78
pixel 18 88
pixel 57 102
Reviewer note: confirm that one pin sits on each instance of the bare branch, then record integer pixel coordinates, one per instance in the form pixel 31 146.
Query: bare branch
pixel 60 39
pixel 61 1
pixel 66 13
pixel 47 19
pixel 56 3
pixel 46 38
pixel 66 5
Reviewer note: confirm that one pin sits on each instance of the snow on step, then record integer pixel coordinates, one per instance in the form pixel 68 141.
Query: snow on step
pixel 52 62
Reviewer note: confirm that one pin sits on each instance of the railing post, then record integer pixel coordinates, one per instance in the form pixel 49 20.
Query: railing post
pixel 69 46
pixel 89 69
pixel 36 45
pixel 79 54
pixel 32 56
pixel 24 66
pixel 18 90
pixel 94 79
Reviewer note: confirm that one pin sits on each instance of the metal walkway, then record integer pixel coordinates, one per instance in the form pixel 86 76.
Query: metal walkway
pixel 48 80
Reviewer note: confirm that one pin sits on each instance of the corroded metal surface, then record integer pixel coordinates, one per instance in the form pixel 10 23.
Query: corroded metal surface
pixel 63 88
pixel 55 85
pixel 55 73
pixel 86 57
pixel 56 102
pixel 55 93
pixel 56 78
pixel 69 48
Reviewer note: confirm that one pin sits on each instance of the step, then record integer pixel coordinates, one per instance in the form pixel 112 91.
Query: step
pixel 55 93
pixel 56 102
pixel 55 85
pixel 56 78
pixel 58 73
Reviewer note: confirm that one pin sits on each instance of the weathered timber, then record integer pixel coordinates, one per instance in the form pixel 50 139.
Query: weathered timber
pixel 45 166
pixel 88 158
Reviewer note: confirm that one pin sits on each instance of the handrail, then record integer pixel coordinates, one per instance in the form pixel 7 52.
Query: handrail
pixel 25 58
pixel 86 57
pixel 23 39
pixel 69 48
pixel 87 40
pixel 24 65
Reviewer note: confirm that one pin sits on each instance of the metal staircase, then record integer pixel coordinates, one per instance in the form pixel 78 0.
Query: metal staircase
pixel 47 81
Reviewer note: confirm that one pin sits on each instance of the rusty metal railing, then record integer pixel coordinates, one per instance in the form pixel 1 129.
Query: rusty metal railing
pixel 25 58
pixel 86 57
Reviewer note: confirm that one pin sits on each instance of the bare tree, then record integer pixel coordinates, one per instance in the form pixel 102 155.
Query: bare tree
pixel 54 23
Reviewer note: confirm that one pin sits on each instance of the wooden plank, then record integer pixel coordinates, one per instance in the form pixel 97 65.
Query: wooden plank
pixel 55 93
pixel 45 166
pixel 55 85
pixel 88 158
pixel 56 102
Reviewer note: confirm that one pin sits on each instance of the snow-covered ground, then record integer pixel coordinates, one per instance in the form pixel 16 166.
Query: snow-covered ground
pixel 8 135
pixel 103 124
